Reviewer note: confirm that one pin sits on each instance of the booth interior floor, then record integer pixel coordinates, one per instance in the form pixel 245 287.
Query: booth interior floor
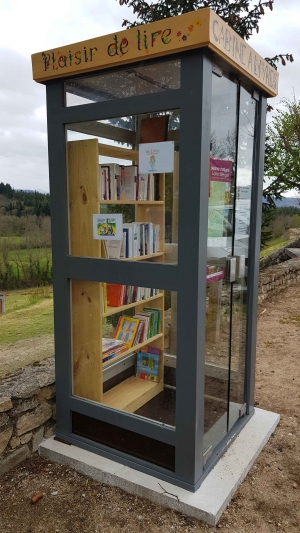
pixel 162 408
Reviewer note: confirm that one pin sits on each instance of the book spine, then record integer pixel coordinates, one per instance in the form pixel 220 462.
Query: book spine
pixel 135 240
pixel 122 183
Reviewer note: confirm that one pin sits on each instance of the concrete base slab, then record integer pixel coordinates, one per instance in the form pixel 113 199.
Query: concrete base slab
pixel 208 502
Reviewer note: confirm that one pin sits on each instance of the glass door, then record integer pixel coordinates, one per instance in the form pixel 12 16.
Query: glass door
pixel 230 186
pixel 220 262
pixel 244 178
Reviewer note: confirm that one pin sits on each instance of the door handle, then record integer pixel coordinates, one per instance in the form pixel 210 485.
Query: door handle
pixel 240 266
pixel 231 269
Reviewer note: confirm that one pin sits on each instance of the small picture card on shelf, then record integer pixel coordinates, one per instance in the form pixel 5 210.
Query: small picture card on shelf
pixel 108 227
pixel 156 158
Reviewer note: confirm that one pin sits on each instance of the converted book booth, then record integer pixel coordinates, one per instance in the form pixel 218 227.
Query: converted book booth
pixel 156 146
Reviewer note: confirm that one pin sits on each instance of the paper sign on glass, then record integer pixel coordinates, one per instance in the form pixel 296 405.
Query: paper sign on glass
pixel 156 158
pixel 108 227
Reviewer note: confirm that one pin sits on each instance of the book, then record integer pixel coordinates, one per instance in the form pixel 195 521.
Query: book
pixel 114 169
pixel 122 183
pixel 126 330
pixel 145 320
pixel 110 181
pixel 105 173
pixel 142 187
pixel 154 321
pixel 154 129
pixel 114 294
pixel 123 246
pixel 148 363
pixel 104 297
pixel 134 240
pixel 103 192
pixel 148 244
pixel 111 348
pixel 130 182
pixel 113 249
pixel 128 228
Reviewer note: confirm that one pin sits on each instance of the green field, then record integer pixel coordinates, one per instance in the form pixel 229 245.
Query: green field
pixel 29 313
pixel 26 328
pixel 21 267
pixel 20 259
pixel 14 240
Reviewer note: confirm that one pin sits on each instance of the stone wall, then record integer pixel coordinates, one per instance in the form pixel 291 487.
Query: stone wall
pixel 276 278
pixel 279 255
pixel 27 412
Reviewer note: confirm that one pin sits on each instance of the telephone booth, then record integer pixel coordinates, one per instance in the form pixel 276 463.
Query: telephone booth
pixel 156 150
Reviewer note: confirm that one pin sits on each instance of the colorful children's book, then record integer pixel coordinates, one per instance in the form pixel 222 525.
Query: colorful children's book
pixel 111 348
pixel 148 363
pixel 126 330
pixel 154 321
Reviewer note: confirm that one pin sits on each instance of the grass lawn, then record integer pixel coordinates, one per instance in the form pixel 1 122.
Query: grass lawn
pixel 20 258
pixel 274 245
pixel 29 313
pixel 14 239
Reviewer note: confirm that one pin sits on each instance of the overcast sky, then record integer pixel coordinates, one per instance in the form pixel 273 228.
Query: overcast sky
pixel 29 26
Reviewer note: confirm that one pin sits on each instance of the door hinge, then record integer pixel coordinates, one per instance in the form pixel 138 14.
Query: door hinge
pixel 217 70
pixel 207 454
pixel 243 410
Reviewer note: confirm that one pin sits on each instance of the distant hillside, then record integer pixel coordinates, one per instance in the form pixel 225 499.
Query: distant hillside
pixel 3 200
pixel 23 203
pixel 293 201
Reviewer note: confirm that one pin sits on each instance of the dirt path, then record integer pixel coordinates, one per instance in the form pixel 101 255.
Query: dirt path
pixel 266 502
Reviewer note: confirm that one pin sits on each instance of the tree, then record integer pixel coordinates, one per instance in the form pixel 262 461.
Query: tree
pixel 282 156
pixel 242 15
pixel 282 159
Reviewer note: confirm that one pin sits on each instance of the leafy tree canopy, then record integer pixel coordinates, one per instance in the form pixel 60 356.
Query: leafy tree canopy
pixel 282 156
pixel 242 15
pixel 24 203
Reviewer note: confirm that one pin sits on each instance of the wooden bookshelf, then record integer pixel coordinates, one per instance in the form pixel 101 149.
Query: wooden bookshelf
pixel 132 202
pixel 143 257
pixel 133 349
pixel 114 310
pixel 131 394
pixel 86 297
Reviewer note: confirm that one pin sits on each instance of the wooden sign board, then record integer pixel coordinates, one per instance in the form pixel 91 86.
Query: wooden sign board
pixel 168 36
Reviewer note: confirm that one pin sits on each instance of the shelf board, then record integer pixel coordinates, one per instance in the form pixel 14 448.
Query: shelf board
pixel 132 349
pixel 134 202
pixel 131 394
pixel 142 257
pixel 114 310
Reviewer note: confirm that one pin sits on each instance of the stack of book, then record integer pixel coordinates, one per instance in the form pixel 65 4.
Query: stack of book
pixel 118 182
pixel 147 366
pixel 139 238
pixel 111 348
pixel 117 295
pixel 139 328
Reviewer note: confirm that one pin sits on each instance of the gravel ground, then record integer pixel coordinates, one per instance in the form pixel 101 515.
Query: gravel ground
pixel 267 501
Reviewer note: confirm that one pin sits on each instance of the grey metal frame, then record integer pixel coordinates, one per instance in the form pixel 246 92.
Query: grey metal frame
pixel 188 277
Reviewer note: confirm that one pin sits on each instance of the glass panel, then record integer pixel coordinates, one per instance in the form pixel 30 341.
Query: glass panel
pixel 244 177
pixel 219 249
pixel 119 333
pixel 123 187
pixel 132 81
